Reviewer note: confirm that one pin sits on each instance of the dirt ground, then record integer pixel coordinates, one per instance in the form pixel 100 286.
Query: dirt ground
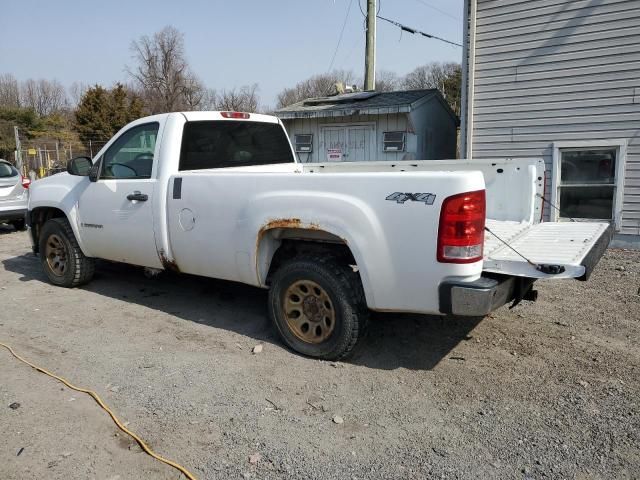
pixel 547 390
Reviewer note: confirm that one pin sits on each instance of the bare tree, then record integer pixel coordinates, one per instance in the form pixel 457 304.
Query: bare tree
pixel 162 73
pixel 9 91
pixel 208 101
pixel 387 81
pixel 446 77
pixel 431 75
pixel 76 92
pixel 243 99
pixel 43 96
pixel 193 93
pixel 317 86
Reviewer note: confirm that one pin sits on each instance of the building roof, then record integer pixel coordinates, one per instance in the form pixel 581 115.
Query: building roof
pixel 361 103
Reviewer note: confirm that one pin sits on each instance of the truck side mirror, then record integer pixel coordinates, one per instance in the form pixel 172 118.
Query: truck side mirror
pixel 94 172
pixel 79 166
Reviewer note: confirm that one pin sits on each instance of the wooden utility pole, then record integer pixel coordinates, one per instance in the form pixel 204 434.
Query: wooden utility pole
pixel 370 49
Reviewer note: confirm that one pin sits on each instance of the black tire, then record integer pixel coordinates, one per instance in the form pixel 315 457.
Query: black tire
pixel 344 289
pixel 78 269
pixel 19 225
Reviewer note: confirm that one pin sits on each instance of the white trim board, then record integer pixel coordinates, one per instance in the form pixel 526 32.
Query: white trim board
pixel 621 158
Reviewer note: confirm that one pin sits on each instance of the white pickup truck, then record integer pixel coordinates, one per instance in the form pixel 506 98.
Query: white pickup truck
pixel 220 194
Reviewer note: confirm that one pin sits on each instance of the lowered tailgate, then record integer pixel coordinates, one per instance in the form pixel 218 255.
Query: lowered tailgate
pixel 570 248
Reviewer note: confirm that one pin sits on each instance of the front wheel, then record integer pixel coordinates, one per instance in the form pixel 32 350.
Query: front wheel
pixel 62 260
pixel 318 306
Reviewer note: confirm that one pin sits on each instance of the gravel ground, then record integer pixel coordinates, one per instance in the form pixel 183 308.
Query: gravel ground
pixel 546 390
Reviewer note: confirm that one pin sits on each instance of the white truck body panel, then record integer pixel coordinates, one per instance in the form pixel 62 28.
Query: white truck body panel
pixel 227 223
pixel 387 239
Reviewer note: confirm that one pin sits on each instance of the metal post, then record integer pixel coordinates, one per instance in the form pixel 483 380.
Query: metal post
pixel 18 149
pixel 57 153
pixel 370 49
pixel 40 168
pixel 90 149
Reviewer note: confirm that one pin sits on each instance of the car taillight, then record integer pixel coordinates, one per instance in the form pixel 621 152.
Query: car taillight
pixel 26 182
pixel 461 229
pixel 235 115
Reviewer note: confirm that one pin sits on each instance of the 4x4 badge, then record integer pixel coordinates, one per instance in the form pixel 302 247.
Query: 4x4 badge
pixel 400 197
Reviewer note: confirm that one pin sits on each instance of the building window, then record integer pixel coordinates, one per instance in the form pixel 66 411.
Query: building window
pixel 394 141
pixel 588 180
pixel 304 143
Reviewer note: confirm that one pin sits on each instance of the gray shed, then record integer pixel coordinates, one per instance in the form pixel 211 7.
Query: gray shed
pixel 560 80
pixel 368 126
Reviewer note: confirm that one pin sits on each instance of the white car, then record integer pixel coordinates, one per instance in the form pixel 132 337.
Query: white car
pixel 14 196
pixel 220 194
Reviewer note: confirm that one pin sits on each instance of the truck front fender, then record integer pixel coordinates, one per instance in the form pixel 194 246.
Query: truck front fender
pixel 60 192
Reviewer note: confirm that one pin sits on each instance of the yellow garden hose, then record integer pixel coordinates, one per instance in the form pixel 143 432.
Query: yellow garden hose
pixel 97 398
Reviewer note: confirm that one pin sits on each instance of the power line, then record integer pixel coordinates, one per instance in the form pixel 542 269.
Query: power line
pixel 344 24
pixel 404 28
pixel 428 5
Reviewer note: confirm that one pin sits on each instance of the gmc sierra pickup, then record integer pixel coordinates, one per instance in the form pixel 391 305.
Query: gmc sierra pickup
pixel 221 194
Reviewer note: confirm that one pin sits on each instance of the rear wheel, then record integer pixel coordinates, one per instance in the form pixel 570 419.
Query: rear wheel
pixel 62 260
pixel 318 306
pixel 19 225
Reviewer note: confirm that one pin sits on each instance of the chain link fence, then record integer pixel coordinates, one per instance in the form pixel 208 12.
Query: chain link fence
pixel 44 158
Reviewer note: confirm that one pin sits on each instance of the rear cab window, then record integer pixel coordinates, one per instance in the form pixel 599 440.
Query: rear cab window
pixel 7 170
pixel 230 143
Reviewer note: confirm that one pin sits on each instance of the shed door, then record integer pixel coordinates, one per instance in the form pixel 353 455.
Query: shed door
pixel 335 139
pixel 356 142
pixel 362 146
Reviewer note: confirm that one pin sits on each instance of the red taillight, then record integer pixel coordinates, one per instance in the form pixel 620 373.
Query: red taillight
pixel 461 229
pixel 26 182
pixel 235 115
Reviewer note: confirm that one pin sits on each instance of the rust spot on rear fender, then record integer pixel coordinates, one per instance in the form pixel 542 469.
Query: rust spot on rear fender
pixel 280 223
pixel 169 265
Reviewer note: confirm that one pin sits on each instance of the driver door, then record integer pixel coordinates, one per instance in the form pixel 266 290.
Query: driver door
pixel 116 214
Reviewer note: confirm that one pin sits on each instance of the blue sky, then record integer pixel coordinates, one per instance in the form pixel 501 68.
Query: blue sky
pixel 274 43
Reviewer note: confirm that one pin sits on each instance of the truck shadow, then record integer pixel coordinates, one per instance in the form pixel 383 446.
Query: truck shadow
pixel 393 341
pixel 6 229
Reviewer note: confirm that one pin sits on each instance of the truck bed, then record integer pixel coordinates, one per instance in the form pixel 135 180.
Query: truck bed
pixel 514 189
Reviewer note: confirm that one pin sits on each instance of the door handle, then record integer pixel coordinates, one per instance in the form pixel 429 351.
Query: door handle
pixel 137 195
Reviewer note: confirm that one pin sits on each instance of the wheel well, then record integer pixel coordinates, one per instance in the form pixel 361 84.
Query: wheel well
pixel 290 248
pixel 37 218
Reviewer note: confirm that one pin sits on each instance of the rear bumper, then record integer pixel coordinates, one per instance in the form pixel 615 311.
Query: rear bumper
pixel 12 214
pixel 482 296
pixel 477 298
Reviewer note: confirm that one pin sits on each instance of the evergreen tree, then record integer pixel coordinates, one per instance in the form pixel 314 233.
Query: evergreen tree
pixel 94 115
pixel 101 112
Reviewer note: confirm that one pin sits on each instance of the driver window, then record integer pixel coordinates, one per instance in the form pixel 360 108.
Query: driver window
pixel 131 155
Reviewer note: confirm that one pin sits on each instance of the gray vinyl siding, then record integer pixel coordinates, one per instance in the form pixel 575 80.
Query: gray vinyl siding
pixel 557 70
